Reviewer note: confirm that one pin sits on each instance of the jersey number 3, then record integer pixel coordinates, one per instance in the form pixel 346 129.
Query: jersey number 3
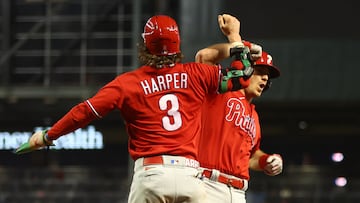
pixel 172 112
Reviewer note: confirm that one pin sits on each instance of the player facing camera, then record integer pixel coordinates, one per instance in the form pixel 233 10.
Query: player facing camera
pixel 266 63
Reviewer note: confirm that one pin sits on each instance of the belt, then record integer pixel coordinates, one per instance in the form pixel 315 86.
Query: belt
pixel 167 160
pixel 237 183
pixel 153 160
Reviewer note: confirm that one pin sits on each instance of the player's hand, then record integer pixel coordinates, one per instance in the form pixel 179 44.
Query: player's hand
pixel 37 141
pixel 255 50
pixel 274 165
pixel 230 27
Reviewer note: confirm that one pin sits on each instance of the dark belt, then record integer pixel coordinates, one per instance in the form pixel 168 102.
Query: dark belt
pixel 233 182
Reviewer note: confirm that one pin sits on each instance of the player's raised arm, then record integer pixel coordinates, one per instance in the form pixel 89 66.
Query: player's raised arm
pixel 234 77
pixel 230 27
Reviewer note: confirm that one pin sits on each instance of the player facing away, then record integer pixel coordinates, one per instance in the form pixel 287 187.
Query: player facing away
pixel 231 134
pixel 160 103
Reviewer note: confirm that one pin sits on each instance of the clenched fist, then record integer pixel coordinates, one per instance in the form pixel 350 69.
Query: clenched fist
pixel 271 164
pixel 255 50
pixel 230 27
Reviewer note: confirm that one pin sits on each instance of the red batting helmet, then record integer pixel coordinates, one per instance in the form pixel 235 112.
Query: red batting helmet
pixel 266 60
pixel 161 36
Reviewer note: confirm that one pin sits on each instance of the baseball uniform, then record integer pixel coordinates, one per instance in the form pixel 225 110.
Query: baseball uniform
pixel 162 110
pixel 231 133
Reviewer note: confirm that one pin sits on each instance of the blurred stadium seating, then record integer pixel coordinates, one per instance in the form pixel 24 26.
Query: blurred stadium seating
pixel 63 185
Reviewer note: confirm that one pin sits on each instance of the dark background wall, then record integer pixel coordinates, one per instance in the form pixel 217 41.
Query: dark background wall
pixel 314 44
pixel 306 19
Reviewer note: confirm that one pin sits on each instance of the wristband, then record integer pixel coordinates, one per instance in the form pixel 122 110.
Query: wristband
pixel 46 138
pixel 262 161
pixel 247 43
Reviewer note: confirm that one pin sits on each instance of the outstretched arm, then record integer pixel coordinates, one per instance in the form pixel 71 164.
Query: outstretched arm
pixel 79 116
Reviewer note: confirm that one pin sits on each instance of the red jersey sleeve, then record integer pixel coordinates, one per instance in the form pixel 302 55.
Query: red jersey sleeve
pixel 204 74
pixel 79 116
pixel 82 114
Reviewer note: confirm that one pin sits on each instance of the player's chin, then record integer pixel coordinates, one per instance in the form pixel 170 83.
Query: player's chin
pixel 254 92
pixel 258 92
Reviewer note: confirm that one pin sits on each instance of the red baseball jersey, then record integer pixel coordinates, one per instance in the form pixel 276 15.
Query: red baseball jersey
pixel 230 134
pixel 161 108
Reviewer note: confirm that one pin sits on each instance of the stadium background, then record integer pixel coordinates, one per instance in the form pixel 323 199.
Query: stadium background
pixel 56 53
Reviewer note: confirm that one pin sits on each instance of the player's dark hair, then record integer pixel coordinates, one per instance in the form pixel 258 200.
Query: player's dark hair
pixel 146 58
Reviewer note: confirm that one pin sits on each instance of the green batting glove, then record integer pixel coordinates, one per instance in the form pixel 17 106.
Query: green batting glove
pixel 26 147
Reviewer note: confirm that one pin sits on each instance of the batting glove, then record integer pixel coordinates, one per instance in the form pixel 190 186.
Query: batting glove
pixel 271 164
pixel 37 140
pixel 255 50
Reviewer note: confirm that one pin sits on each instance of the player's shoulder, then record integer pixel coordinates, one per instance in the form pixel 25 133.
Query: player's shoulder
pixel 198 64
pixel 136 72
pixel 127 77
pixel 200 67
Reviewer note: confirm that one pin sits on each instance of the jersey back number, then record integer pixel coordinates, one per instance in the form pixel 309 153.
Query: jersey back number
pixel 172 121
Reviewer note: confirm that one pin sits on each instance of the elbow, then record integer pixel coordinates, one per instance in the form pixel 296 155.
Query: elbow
pixel 199 57
pixel 206 56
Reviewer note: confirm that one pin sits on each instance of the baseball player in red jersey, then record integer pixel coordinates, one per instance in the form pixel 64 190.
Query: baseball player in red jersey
pixel 230 140
pixel 231 134
pixel 161 104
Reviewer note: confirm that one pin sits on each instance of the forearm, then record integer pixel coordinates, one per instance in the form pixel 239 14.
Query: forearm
pixel 271 164
pixel 254 160
pixel 78 117
pixel 230 27
pixel 214 53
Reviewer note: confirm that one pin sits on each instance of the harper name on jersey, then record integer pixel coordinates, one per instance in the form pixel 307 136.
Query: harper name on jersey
pixel 164 82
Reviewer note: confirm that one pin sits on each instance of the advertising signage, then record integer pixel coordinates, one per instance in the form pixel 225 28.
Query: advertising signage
pixel 82 139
